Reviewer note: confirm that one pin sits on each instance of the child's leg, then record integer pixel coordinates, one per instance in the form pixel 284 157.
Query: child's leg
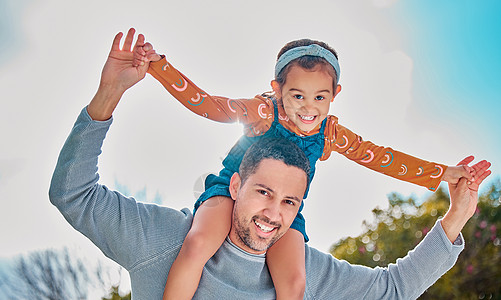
pixel 285 261
pixel 210 227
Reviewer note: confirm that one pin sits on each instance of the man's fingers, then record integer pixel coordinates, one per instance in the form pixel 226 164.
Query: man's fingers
pixel 466 161
pixel 482 171
pixel 481 165
pixel 116 42
pixel 128 39
pixel 483 176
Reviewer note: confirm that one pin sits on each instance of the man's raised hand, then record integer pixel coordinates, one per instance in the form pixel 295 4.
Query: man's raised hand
pixel 119 74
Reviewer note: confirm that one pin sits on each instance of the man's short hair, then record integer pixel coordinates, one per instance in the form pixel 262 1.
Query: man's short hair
pixel 273 148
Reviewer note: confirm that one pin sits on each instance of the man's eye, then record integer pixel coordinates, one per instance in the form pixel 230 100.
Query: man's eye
pixel 319 98
pixel 299 97
pixel 290 202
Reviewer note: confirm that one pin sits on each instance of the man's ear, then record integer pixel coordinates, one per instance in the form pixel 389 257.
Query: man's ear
pixel 337 91
pixel 276 88
pixel 235 183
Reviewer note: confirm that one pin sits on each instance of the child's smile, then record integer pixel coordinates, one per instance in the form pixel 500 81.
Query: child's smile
pixel 306 96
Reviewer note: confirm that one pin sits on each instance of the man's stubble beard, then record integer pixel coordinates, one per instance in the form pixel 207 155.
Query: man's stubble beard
pixel 244 235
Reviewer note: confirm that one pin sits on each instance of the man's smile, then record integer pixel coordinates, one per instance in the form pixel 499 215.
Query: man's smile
pixel 264 228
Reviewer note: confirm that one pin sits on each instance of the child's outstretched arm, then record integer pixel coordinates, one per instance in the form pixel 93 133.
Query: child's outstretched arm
pixel 220 109
pixel 388 161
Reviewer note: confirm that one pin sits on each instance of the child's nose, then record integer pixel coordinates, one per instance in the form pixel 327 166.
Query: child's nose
pixel 309 105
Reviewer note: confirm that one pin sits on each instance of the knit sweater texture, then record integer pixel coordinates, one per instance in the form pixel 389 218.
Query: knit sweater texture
pixel 145 239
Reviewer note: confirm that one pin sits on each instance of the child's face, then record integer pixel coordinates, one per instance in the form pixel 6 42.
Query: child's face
pixel 306 96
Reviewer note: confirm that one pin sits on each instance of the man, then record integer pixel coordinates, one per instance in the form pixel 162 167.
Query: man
pixel 145 238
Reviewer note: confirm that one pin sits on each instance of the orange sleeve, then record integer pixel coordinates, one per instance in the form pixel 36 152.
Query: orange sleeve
pixel 221 109
pixel 381 159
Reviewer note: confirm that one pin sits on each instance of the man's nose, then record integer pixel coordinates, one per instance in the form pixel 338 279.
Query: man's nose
pixel 272 211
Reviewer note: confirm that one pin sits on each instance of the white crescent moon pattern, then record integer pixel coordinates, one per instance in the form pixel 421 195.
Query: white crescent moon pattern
pixel 388 159
pixel 420 172
pixel 280 117
pixel 231 107
pixel 439 172
pixel 345 139
pixel 403 170
pixel 165 67
pixel 369 157
pixel 181 86
pixel 260 111
pixel 194 102
pixel 256 131
pixel 349 150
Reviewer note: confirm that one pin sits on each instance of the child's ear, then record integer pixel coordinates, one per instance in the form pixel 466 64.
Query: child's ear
pixel 276 88
pixel 235 183
pixel 338 90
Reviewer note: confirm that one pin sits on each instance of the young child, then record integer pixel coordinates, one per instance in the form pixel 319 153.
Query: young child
pixel 306 82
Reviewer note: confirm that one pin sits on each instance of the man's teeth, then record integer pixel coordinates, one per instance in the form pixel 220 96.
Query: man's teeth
pixel 307 118
pixel 263 227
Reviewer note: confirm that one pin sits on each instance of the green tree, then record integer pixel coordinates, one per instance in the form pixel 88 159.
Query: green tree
pixel 400 227
pixel 115 295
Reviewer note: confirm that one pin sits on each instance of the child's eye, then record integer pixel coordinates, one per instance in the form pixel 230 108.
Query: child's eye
pixel 319 98
pixel 299 97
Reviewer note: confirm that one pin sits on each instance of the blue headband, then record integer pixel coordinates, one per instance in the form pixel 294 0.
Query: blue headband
pixel 312 50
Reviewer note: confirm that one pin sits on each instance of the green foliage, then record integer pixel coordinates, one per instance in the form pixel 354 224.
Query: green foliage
pixel 114 295
pixel 400 227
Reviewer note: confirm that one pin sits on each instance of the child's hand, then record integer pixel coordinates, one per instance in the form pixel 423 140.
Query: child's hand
pixel 144 53
pixel 454 173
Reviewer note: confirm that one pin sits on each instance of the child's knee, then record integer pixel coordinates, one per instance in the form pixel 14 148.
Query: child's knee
pixel 298 279
pixel 195 242
pixel 198 246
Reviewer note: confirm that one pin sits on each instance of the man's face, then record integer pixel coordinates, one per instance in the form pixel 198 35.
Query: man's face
pixel 265 205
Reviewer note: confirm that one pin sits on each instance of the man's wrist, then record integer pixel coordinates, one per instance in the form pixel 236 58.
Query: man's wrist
pixel 104 102
pixel 452 225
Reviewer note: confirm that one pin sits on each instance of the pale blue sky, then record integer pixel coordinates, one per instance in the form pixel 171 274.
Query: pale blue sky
pixel 455 46
pixel 421 77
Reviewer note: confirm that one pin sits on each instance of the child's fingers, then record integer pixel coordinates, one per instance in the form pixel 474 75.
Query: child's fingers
pixel 147 47
pixel 468 173
pixel 152 56
pixel 138 59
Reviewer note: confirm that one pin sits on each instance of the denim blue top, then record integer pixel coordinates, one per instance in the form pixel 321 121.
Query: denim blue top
pixel 312 146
